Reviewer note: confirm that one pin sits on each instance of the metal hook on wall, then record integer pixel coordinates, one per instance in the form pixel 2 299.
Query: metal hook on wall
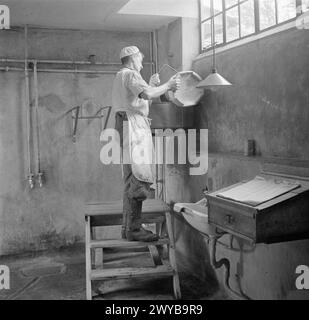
pixel 76 111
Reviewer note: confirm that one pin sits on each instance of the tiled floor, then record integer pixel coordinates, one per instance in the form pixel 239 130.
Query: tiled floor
pixel 60 275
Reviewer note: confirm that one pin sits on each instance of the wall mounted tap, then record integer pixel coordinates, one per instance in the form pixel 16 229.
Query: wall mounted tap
pixel 40 178
pixel 205 191
pixel 203 201
pixel 31 181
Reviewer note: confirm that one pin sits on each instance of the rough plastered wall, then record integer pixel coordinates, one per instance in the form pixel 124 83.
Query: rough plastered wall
pixel 52 216
pixel 268 103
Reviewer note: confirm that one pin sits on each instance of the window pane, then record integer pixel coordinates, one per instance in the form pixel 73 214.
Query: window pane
pixel 206 34
pixel 286 10
pixel 232 24
pixel 305 5
pixel 219 29
pixel 267 13
pixel 247 22
pixel 205 9
pixel 217 6
pixel 229 3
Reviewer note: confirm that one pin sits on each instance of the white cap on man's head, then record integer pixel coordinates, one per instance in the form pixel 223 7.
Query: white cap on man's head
pixel 128 51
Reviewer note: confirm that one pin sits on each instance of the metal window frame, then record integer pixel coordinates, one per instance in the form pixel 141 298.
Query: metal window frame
pixel 239 2
pixel 255 24
pixel 276 11
pixel 298 3
pixel 283 22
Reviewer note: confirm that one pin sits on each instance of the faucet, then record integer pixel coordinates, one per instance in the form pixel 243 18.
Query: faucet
pixel 31 180
pixel 205 192
pixel 40 179
pixel 203 201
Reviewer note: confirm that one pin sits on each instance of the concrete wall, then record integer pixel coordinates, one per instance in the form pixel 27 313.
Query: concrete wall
pixel 169 48
pixel 53 216
pixel 268 103
pixel 176 45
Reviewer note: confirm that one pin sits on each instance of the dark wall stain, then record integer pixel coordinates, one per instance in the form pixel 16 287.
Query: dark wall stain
pixel 52 103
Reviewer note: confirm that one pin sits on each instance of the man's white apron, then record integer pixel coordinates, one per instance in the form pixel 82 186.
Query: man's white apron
pixel 141 149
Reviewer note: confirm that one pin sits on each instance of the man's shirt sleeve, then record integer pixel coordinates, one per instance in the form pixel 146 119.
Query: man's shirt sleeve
pixel 135 83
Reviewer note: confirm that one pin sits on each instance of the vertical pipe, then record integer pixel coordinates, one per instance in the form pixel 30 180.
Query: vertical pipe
pixel 37 119
pixel 164 195
pixel 156 51
pixel 27 98
pixel 151 52
pixel 88 258
pixel 154 70
pixel 160 167
pixel 36 104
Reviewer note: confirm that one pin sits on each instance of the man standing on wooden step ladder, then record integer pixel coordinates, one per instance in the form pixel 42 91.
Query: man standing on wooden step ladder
pixel 131 101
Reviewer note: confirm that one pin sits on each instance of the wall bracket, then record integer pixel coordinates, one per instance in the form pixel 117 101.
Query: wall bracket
pixel 76 116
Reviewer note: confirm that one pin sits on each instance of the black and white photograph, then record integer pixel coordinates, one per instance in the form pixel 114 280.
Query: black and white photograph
pixel 154 154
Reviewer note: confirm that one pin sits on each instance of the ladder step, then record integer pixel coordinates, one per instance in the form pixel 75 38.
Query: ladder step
pixel 126 244
pixel 125 273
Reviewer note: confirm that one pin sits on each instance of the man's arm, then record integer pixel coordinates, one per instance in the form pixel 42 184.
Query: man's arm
pixel 154 92
pixel 150 93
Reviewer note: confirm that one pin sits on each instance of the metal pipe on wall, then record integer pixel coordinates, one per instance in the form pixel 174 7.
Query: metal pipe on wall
pixel 28 109
pixel 211 243
pixel 76 71
pixel 155 50
pixel 151 51
pixel 37 120
pixel 67 62
pixel 153 70
pixel 7 69
pixel 161 167
pixel 58 70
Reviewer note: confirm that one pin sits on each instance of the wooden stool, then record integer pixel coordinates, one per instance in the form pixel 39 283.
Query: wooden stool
pixel 110 214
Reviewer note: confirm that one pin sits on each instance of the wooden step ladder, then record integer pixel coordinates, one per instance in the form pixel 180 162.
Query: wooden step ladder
pixel 110 214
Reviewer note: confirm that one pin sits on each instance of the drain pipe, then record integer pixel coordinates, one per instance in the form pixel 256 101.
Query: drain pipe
pixel 212 241
pixel 37 118
pixel 27 98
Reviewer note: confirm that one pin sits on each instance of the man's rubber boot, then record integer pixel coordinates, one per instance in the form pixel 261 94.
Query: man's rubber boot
pixel 141 235
pixel 124 232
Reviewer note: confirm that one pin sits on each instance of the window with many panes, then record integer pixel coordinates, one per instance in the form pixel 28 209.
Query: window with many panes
pixel 236 19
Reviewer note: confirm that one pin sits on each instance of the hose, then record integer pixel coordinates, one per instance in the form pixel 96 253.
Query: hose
pixel 226 263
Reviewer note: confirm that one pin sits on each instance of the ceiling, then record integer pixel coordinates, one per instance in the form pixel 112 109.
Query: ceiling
pixel 118 15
